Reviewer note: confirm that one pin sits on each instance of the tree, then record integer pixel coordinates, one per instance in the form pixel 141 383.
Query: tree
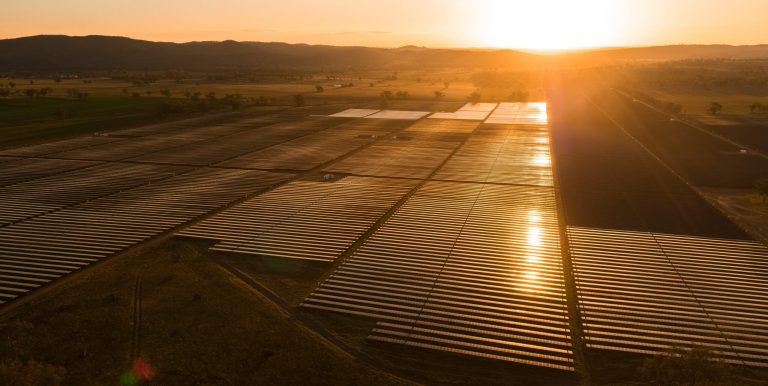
pixel 439 95
pixel 298 100
pixel 761 184
pixel 755 107
pixel 166 92
pixel 386 94
pixel 475 97
pixel 715 108
pixel 319 88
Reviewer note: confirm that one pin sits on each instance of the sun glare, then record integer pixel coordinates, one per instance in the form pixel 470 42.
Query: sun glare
pixel 547 24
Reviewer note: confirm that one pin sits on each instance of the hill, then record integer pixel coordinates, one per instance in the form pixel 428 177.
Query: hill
pixel 61 53
pixel 92 53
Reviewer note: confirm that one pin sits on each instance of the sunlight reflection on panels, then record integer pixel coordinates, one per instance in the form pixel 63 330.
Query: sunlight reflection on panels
pixel 354 113
pixel 398 114
pixel 509 154
pixel 470 111
pixel 534 113
pixel 646 292
pixel 473 268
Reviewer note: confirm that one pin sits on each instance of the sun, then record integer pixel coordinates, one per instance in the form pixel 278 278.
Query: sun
pixel 546 24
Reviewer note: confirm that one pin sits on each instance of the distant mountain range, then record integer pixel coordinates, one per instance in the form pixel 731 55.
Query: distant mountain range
pixel 92 53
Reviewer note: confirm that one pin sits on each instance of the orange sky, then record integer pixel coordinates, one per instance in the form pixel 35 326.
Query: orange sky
pixel 538 24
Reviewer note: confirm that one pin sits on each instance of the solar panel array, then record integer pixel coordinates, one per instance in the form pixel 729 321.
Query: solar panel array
pixel 43 248
pixel 398 114
pixel 646 292
pixel 20 170
pixel 58 146
pixel 313 150
pixel 304 219
pixel 470 111
pixel 519 114
pixel 503 154
pixel 468 268
pixel 58 215
pixel 39 196
pixel 354 113
pixel 208 152
pixel 470 263
pixel 415 153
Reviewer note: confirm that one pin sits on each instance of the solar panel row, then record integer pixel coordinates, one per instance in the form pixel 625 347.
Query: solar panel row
pixel 398 114
pixel 354 113
pixel 468 268
pixel 647 292
pixel 41 249
pixel 42 195
pixel 413 154
pixel 215 150
pixel 502 154
pixel 20 170
pixel 58 146
pixel 470 111
pixel 303 219
pixel 519 114
pixel 315 149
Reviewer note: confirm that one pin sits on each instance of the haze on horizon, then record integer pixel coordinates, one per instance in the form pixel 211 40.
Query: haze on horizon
pixel 540 24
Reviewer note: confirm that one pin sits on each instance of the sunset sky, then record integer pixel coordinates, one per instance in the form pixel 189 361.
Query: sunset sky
pixel 538 24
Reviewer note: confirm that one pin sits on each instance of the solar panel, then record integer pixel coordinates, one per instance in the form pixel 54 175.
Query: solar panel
pixel 519 114
pixel 470 111
pixel 40 249
pixel 647 292
pixel 399 114
pixel 304 219
pixel 473 268
pixel 354 113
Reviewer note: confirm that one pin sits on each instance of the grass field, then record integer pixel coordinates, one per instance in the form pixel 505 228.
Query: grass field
pixel 199 326
pixel 698 104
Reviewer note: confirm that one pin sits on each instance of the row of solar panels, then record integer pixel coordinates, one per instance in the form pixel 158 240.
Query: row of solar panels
pixel 645 292
pixel 304 219
pixel 470 268
pixel 48 246
pixel 492 113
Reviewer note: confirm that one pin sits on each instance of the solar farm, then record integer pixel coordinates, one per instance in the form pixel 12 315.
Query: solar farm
pixel 461 232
